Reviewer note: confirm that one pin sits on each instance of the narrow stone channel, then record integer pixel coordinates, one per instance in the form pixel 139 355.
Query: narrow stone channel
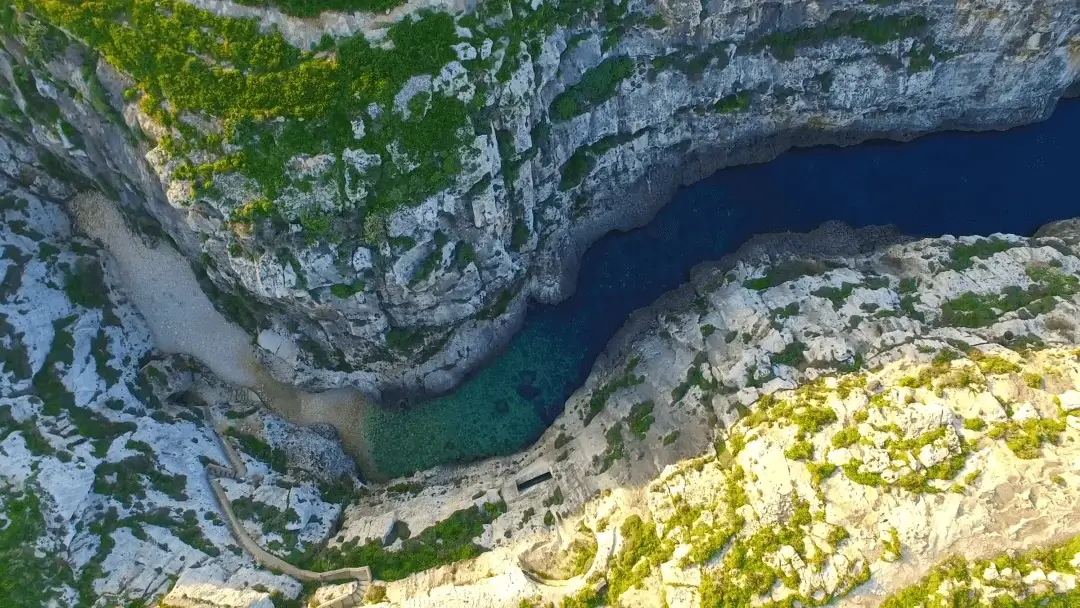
pixel 947 183
pixel 962 183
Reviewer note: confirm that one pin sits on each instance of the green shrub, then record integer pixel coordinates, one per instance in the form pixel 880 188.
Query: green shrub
pixel 800 450
pixel 974 424
pixel 820 471
pixel 640 552
pixel 997 365
pixel 597 85
pixel 599 398
pixel 175 52
pixel 574 170
pixel 448 541
pixel 641 418
pixel 375 594
pixel 616 448
pixel 311 8
pixel 981 310
pixel 1033 380
pixel 872 30
pixel 30 578
pixel 961 256
pixel 792 354
pixel 847 437
pixel 260 450
pixel 735 102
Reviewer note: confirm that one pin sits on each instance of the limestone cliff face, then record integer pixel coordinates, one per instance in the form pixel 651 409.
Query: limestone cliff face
pixel 586 126
pixel 819 416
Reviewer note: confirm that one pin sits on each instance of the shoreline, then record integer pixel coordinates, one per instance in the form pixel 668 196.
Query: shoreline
pixel 551 287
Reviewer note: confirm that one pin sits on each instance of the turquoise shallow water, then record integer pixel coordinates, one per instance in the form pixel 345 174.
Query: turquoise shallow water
pixel 949 183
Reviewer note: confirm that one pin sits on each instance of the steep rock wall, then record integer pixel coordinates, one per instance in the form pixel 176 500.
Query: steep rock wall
pixel 397 265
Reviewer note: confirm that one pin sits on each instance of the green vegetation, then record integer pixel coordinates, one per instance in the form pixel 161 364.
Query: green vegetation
pixel 1026 438
pixel 9 287
pixel 85 285
pixel 893 549
pixel 846 437
pixel 271 519
pixel 260 450
pixel 642 552
pixel 820 471
pixel 800 450
pixel 600 397
pixel 405 487
pixel 996 365
pixel 582 553
pixel 578 166
pixel 375 594
pixel 616 448
pixel 228 69
pixel 1033 380
pixel 961 257
pixel 596 86
pixel 311 8
pixel 123 480
pixel 836 295
pixel 448 541
pixel 641 418
pixel 29 580
pixel 951 582
pixel 787 271
pixel 871 30
pixel 902 448
pixel 430 263
pixel 347 290
pixel 792 354
pixel 575 169
pixel 735 102
pixel 974 424
pixel 695 377
pixel 520 235
pixel 981 310
pixel 14 359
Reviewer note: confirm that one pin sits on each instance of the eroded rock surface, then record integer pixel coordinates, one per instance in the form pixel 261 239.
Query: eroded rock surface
pixel 822 416
pixel 388 233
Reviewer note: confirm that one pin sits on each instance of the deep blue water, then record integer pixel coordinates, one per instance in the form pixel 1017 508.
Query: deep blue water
pixel 948 183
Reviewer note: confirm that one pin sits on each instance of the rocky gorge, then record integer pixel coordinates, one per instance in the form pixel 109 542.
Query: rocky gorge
pixel 389 229
pixel 231 229
pixel 816 418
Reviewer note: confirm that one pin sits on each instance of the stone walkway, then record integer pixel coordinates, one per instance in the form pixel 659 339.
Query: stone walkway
pixel 238 471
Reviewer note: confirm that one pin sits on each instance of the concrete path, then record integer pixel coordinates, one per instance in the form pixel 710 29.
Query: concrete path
pixel 238 471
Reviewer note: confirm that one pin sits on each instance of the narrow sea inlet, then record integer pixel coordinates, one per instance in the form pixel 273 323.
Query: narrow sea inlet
pixel 947 183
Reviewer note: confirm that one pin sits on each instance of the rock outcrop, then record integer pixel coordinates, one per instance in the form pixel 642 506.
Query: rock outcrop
pixel 103 441
pixel 821 416
pixel 378 214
